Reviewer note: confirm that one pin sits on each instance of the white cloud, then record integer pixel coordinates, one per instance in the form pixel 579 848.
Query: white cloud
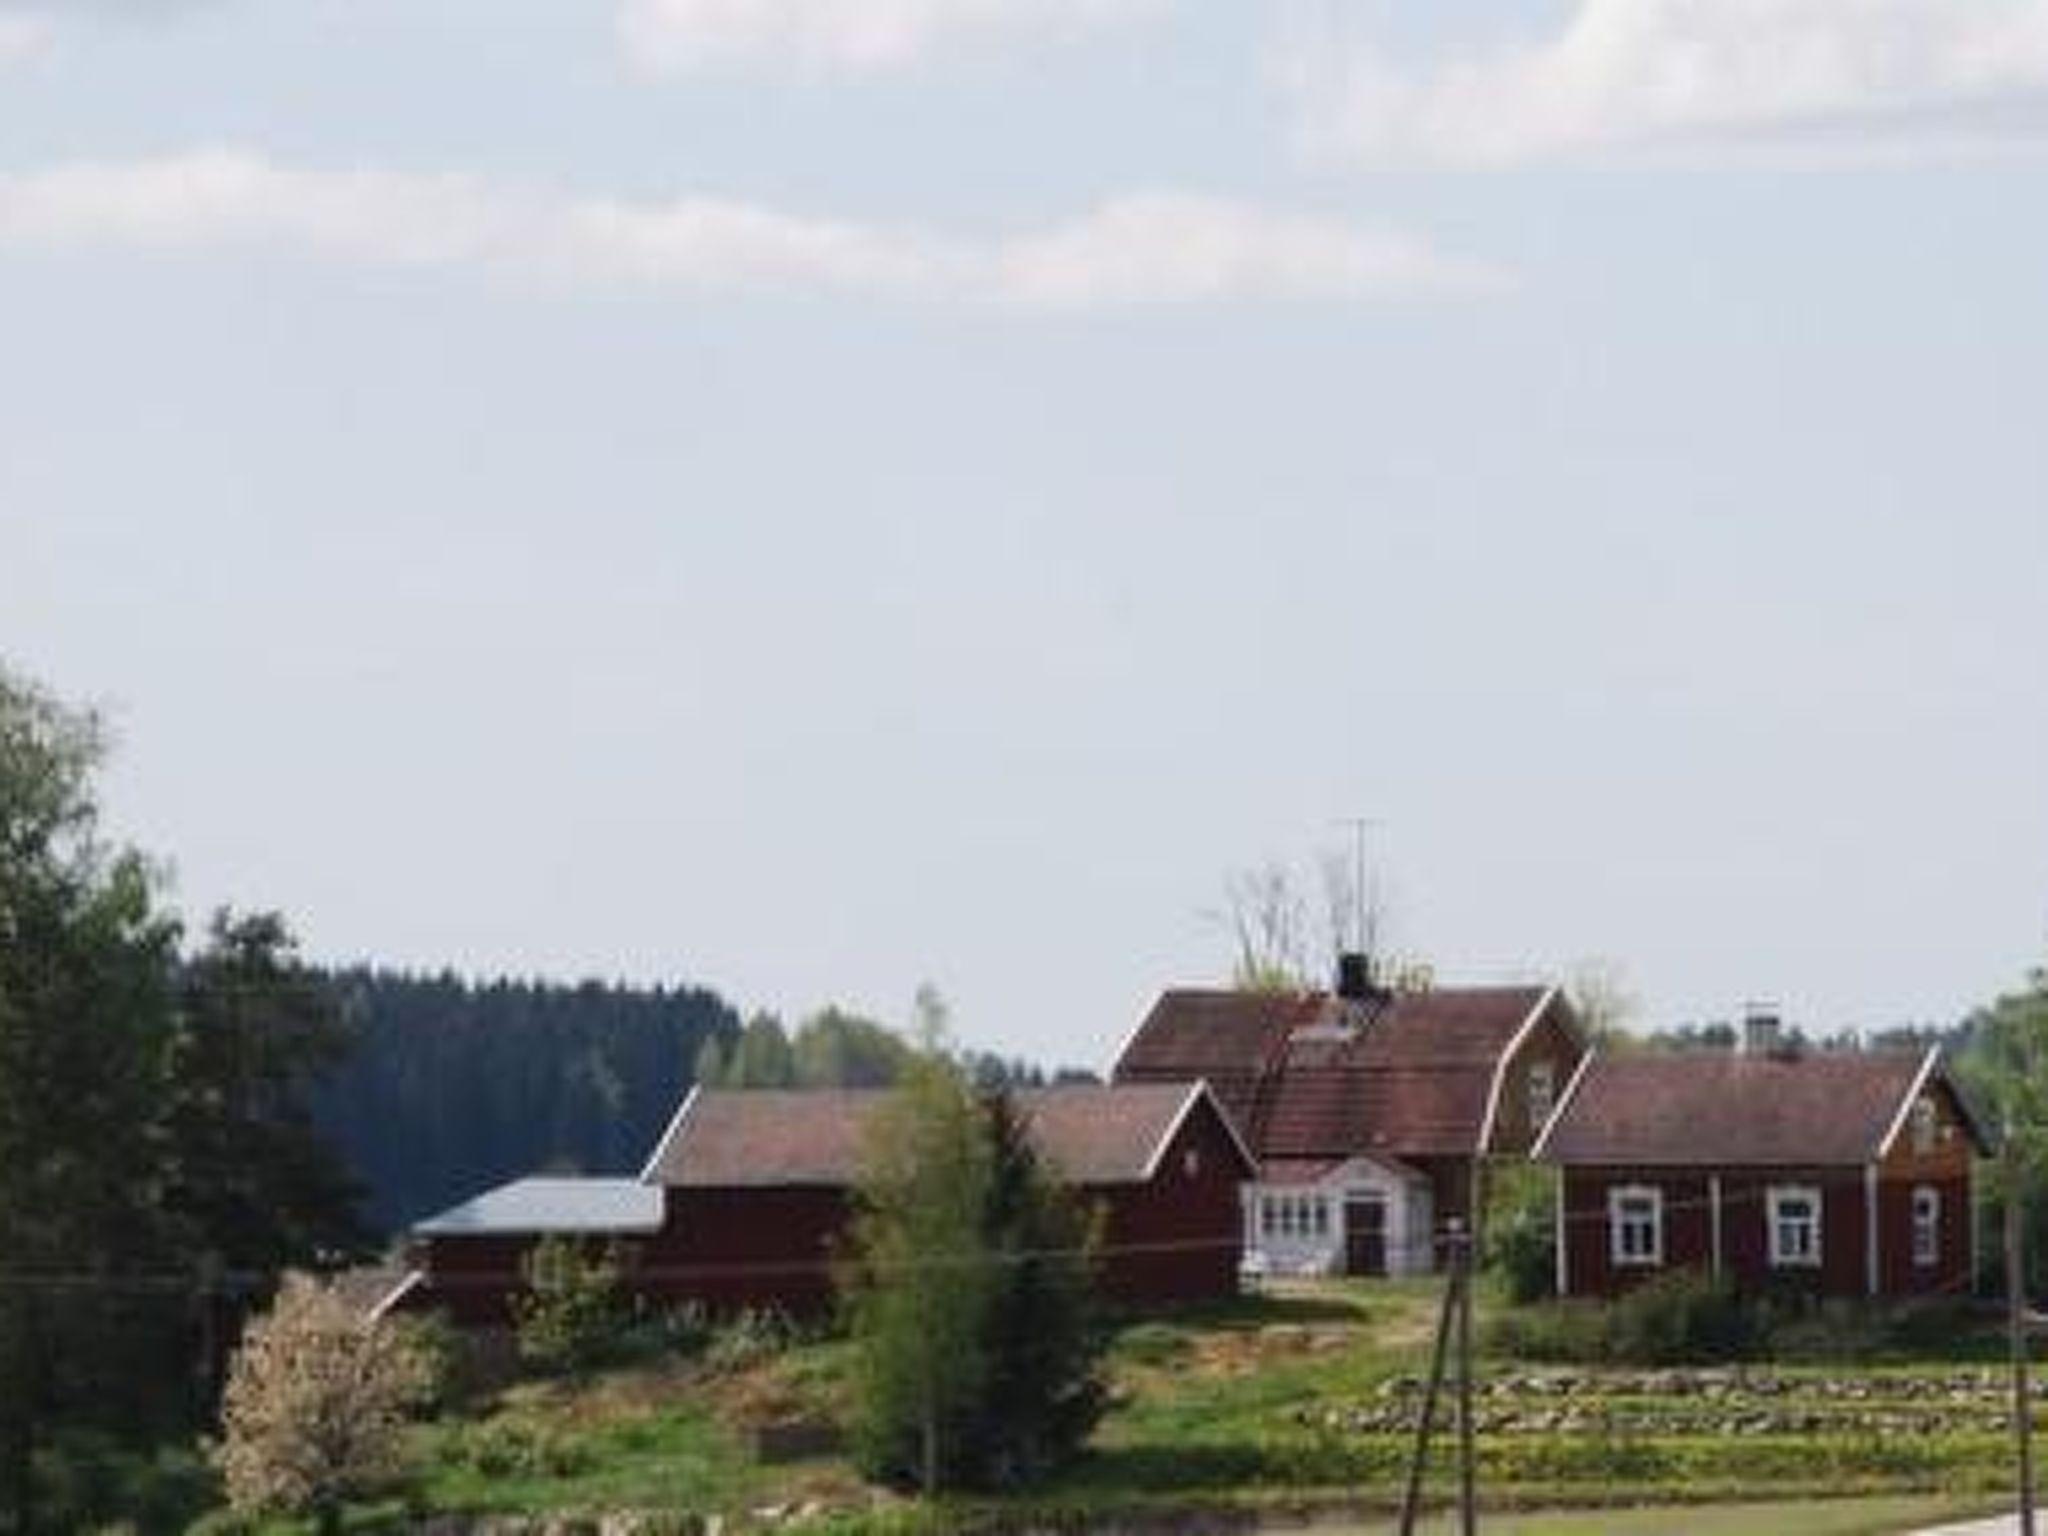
pixel 1847 75
pixel 23 35
pixel 688 35
pixel 1154 248
pixel 1173 248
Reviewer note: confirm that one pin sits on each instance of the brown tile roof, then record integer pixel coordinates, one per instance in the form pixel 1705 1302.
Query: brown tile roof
pixel 1304 1078
pixel 730 1138
pixel 1703 1107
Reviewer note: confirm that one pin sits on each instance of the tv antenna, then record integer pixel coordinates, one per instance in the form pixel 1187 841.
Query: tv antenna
pixel 1365 906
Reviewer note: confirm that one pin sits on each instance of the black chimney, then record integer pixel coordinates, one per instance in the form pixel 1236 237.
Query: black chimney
pixel 1354 977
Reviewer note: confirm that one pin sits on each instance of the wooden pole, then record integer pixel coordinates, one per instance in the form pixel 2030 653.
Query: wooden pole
pixel 2016 1324
pixel 1411 1498
pixel 1468 1504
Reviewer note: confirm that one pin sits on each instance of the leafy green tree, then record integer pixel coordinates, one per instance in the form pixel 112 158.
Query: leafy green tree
pixel 86 958
pixel 151 1124
pixel 921 1279
pixel 762 1058
pixel 968 1289
pixel 248 1179
pixel 2004 1066
pixel 837 1049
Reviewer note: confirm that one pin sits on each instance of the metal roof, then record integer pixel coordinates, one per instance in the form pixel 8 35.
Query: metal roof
pixel 551 1204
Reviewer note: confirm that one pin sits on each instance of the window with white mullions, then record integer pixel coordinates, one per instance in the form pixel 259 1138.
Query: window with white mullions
pixel 1542 1093
pixel 1794 1211
pixel 1926 1227
pixel 1635 1224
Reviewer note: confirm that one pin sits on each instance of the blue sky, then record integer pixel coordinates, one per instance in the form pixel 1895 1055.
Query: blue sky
pixel 814 497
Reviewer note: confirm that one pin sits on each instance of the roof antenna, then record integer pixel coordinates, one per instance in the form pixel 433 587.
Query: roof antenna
pixel 1364 915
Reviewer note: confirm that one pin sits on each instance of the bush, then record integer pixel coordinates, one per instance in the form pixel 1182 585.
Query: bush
pixel 317 1394
pixel 572 1316
pixel 1678 1318
pixel 748 1338
pixel 1520 1244
pixel 1557 1333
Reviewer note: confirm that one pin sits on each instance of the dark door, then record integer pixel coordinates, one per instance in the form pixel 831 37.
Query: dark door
pixel 1365 1235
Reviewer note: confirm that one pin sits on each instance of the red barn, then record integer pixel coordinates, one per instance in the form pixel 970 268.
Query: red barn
pixel 747 1196
pixel 1845 1173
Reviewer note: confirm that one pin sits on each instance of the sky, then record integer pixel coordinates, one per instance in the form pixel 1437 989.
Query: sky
pixel 813 497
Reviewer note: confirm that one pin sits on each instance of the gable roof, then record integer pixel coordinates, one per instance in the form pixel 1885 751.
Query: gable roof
pixel 547 1204
pixel 752 1138
pixel 1308 1075
pixel 1732 1108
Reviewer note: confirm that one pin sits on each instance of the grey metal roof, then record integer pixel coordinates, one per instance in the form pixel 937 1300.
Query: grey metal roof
pixel 551 1204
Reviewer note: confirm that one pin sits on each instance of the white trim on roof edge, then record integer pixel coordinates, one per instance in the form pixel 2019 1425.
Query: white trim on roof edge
pixel 1563 1103
pixel 675 1125
pixel 1500 1068
pixel 1198 1090
pixel 1131 1039
pixel 1913 1091
pixel 413 1279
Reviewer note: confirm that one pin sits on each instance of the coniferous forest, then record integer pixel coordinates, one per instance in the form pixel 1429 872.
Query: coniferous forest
pixel 449 1086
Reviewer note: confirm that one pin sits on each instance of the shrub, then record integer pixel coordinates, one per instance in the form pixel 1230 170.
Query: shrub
pixel 748 1338
pixel 316 1396
pixel 1521 1231
pixel 572 1315
pixel 1560 1333
pixel 1678 1318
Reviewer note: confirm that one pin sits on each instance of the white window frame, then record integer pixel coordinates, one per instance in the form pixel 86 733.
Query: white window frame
pixel 1926 1226
pixel 1619 1250
pixel 1545 1073
pixel 1779 1196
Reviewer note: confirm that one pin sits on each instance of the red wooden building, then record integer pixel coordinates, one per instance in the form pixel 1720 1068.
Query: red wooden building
pixel 747 1196
pixel 1846 1173
pixel 1371 1111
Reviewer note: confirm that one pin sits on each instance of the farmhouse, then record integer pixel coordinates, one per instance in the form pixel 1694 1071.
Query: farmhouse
pixel 747 1196
pixel 1370 1111
pixel 1846 1173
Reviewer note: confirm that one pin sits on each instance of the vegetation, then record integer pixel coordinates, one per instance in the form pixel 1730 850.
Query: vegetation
pixel 157 1161
pixel 314 1406
pixel 451 1086
pixel 1300 1400
pixel 968 1294
pixel 572 1313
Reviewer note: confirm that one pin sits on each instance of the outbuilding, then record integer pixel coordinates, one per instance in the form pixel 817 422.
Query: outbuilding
pixel 746 1200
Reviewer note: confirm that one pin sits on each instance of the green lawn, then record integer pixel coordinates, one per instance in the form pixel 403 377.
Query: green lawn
pixel 1286 1403
pixel 1844 1517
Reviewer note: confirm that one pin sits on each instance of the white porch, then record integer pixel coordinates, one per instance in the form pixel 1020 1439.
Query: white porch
pixel 1363 1216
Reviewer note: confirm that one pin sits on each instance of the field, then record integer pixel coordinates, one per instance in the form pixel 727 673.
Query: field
pixel 1295 1407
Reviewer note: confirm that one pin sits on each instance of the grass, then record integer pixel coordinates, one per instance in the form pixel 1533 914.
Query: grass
pixel 1282 1405
pixel 1843 1517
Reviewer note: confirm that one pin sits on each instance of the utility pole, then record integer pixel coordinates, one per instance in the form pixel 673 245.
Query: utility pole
pixel 1468 1503
pixel 2016 1324
pixel 1411 1498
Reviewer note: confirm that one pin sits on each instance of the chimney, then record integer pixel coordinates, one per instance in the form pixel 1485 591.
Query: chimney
pixel 1762 1030
pixel 1354 977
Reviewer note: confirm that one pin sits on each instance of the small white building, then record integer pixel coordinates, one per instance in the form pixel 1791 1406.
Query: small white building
pixel 1356 1216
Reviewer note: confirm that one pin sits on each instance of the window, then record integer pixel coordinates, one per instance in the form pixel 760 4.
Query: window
pixel 1321 1211
pixel 1926 1123
pixel 1269 1215
pixel 1635 1224
pixel 1191 1162
pixel 1795 1226
pixel 1542 1093
pixel 1926 1227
